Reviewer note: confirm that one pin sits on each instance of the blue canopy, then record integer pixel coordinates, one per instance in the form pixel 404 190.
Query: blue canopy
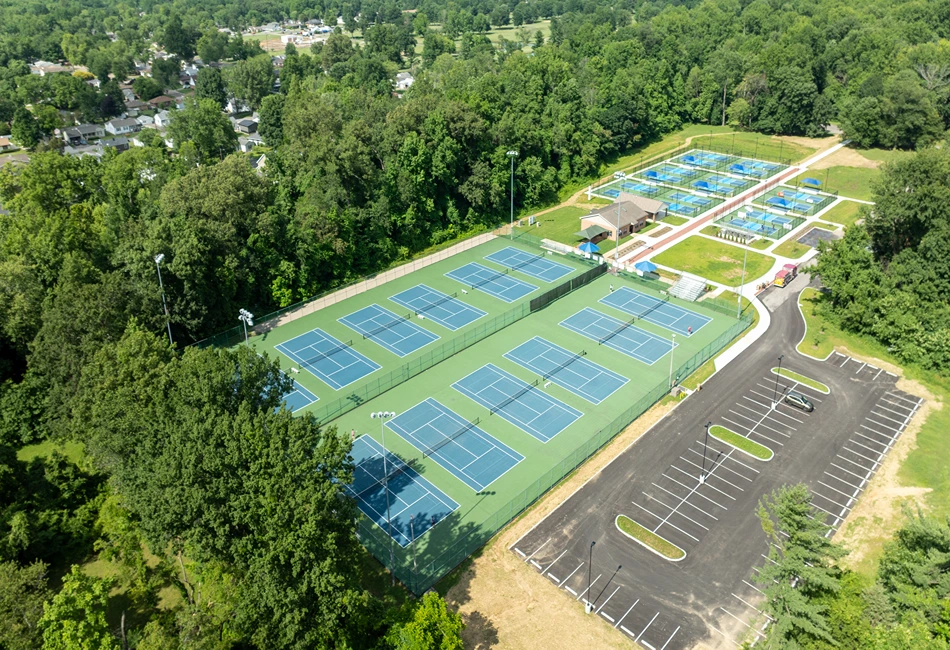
pixel 702 184
pixel 777 200
pixel 738 168
pixel 811 181
pixel 588 247
pixel 651 174
pixel 689 159
pixel 646 266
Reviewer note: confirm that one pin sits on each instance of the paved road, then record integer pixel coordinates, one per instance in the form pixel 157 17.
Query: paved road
pixel 711 596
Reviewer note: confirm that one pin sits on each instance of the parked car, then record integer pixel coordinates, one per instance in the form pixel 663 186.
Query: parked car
pixel 799 401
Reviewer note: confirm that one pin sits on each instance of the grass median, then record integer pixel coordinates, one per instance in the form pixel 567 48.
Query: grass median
pixel 649 539
pixel 801 379
pixel 741 443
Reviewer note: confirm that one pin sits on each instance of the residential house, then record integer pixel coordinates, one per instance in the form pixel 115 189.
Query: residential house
pixel 247 143
pixel 123 126
pixel 246 126
pixel 43 68
pixel 258 163
pixel 145 120
pixel 625 217
pixel 127 93
pixel 162 119
pixel 5 144
pixel 95 83
pixel 77 135
pixel 403 81
pixel 119 144
pixel 135 107
pixel 84 150
pixel 236 106
pixel 162 101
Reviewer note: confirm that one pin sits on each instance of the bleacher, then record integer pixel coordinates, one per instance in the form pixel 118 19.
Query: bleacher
pixel 688 287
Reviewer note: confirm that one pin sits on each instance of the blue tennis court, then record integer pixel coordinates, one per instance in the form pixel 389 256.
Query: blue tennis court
pixel 471 455
pixel 784 204
pixel 654 310
pixel 618 335
pixel 298 397
pixel 444 309
pixel 636 187
pixel 801 196
pixel 415 504
pixel 683 208
pixel 751 226
pixel 567 369
pixel 612 193
pixel 745 171
pixel 690 198
pixel 768 217
pixel 518 402
pixel 537 266
pixel 682 171
pixel 398 334
pixel 495 283
pixel 335 363
pixel 663 176
pixel 729 181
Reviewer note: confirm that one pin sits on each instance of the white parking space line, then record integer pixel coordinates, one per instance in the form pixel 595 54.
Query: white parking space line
pixel 741 621
pixel 520 552
pixel 833 489
pixel 881 424
pixel 724 635
pixel 861 368
pixel 572 573
pixel 762 419
pixel 902 397
pixel 648 626
pixel 573 593
pixel 739 462
pixel 876 461
pixel 697 493
pixel 848 471
pixel 826 497
pixel 607 616
pixel 765 437
pixel 671 638
pixel 880 433
pixel 901 413
pixel 666 522
pixel 608 599
pixel 627 612
pixel 537 549
pixel 711 487
pixel 855 463
pixel 751 606
pixel 838 478
pixel 729 469
pixel 878 373
pixel 687 502
pixel 839 515
pixel 784 414
pixel 869 438
pixel 887 417
pixel 554 577
pixel 648 511
pixel 548 567
pixel 535 563
pixel 714 476
pixel 589 586
pixel 753 586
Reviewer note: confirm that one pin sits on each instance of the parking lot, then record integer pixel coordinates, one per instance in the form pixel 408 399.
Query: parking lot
pixel 711 596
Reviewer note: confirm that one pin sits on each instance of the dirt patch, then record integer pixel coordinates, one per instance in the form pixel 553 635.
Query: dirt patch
pixel 507 604
pixel 660 232
pixel 845 157
pixel 877 515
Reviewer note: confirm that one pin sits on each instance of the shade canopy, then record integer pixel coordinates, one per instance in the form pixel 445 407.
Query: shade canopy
pixel 646 266
pixel 590 232
pixel 811 181
pixel 588 247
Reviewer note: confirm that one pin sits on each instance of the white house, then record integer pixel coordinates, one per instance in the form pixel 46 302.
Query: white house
pixel 122 127
pixel 236 106
pixel 145 120
pixel 163 119
pixel 404 80
pixel 247 143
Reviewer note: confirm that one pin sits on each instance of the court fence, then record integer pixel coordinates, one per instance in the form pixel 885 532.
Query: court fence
pixel 756 226
pixel 421 573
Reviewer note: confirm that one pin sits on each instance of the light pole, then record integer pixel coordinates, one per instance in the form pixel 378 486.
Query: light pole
pixel 247 318
pixel 672 347
pixel 382 416
pixel 775 392
pixel 158 265
pixel 617 247
pixel 511 231
pixel 590 558
pixel 412 543
pixel 702 475
pixel 741 284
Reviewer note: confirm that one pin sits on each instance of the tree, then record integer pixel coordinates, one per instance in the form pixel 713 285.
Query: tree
pixel 23 590
pixel 337 49
pixel 75 619
pixel 212 46
pixel 538 39
pixel 165 72
pixel 251 80
pixel 791 103
pixel 500 17
pixel 800 569
pixel 739 112
pixel 272 119
pixel 177 39
pixel 210 85
pixel 25 130
pixel 433 627
pixel 146 88
pixel 203 124
pixel 434 45
pixel 420 23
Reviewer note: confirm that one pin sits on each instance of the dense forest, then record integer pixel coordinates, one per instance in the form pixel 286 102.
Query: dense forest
pixel 162 487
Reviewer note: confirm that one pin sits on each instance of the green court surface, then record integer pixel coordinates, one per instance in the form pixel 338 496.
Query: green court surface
pixel 794 201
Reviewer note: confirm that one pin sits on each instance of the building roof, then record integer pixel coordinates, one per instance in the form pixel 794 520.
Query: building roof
pixel 86 129
pixel 651 206
pixel 590 232
pixel 161 99
pixel 246 122
pixel 123 122
pixel 629 213
pixel 116 142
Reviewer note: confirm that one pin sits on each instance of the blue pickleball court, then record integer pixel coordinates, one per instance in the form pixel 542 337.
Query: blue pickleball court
pixel 445 309
pixel 398 334
pixel 618 335
pixel 410 495
pixel 567 369
pixel 655 310
pixel 495 283
pixel 537 266
pixel 330 360
pixel 298 397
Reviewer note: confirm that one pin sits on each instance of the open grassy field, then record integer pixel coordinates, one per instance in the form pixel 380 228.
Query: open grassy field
pixel 558 225
pixel 848 182
pixel 713 260
pixel 791 249
pixel 845 212
pixel 759 146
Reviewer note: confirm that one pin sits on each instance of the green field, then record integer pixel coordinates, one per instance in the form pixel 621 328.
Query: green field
pixel 756 145
pixel 761 244
pixel 845 212
pixel 791 249
pixel 649 538
pixel 741 443
pixel 716 261
pixel 848 182
pixel 558 225
pixel 673 220
pixel 481 514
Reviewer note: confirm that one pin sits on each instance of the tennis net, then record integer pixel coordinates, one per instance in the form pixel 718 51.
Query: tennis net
pixel 468 426
pixel 436 303
pixel 617 331
pixel 324 355
pixel 655 306
pixel 533 258
pixel 383 328
pixel 564 365
pixel 493 276
pixel 512 398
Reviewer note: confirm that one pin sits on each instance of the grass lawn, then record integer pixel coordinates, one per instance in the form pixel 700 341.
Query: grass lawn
pixel 852 182
pixel 762 147
pixel 673 220
pixel 559 225
pixel 761 244
pixel 714 261
pixel 72 450
pixel 649 539
pixel 846 213
pixel 712 231
pixel 647 228
pixel 791 249
pixel 801 379
pixel 824 226
pixel 885 155
pixel 741 443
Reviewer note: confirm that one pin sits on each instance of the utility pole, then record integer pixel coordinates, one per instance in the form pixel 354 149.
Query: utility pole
pixel 511 231
pixel 168 323
pixel 702 476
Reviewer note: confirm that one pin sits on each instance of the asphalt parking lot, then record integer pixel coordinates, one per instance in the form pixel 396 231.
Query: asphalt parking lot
pixel 710 596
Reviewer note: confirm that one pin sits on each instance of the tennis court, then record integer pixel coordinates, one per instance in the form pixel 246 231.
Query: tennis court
pixel 686 172
pixel 683 208
pixel 785 204
pixel 621 336
pixel 398 334
pixel 691 199
pixel 666 177
pixel 537 266
pixel 568 370
pixel 656 311
pixel 636 188
pixel 768 217
pixel 415 504
pixel 298 397
pixel 751 226
pixel 518 402
pixel 495 283
pixel 327 358
pixel 470 454
pixel 444 309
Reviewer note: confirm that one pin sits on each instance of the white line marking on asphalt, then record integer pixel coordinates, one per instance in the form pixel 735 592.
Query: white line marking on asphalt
pixel 573 593
pixel 671 638
pixel 747 604
pixel 648 626
pixel 537 549
pixel 627 612
pixel 678 497
pixel 607 616
pixel 556 559
pixel 572 573
pixel 838 478
pixel 741 621
pixel 608 599
pixel 554 577
pixel 589 586
pixel 537 565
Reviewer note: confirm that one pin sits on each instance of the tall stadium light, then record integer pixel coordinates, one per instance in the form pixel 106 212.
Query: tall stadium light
pixel 382 416
pixel 158 265
pixel 247 318
pixel 617 247
pixel 702 475
pixel 775 392
pixel 745 258
pixel 672 345
pixel 511 231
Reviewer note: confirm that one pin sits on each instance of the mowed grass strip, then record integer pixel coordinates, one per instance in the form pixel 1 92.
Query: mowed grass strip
pixel 714 261
pixel 816 343
pixel 648 538
pixel 801 379
pixel 741 443
pixel 845 212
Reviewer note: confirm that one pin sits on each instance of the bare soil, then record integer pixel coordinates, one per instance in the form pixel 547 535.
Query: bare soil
pixel 845 157
pixel 507 604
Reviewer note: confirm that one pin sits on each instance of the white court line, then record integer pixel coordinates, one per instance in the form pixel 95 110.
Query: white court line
pixel 572 573
pixel 627 612
pixel 671 638
pixel 674 495
pixel 648 626
pixel 608 599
